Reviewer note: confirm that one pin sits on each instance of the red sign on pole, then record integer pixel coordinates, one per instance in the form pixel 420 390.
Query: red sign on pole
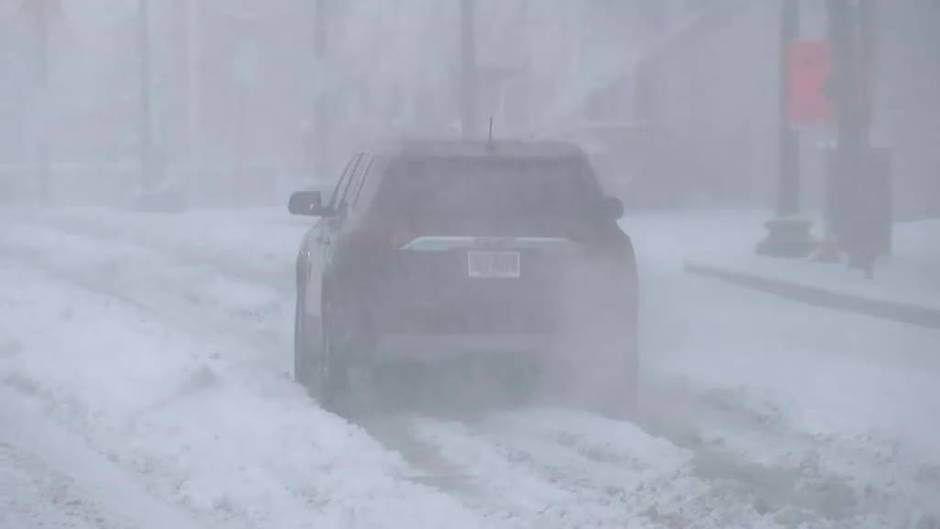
pixel 809 68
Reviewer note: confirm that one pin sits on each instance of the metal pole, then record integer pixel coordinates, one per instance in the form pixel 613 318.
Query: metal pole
pixel 44 170
pixel 194 27
pixel 788 196
pixel 468 69
pixel 840 29
pixel 146 118
pixel 852 44
pixel 787 235
pixel 321 126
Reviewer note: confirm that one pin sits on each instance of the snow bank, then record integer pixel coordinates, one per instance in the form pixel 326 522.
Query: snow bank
pixel 100 339
pixel 727 239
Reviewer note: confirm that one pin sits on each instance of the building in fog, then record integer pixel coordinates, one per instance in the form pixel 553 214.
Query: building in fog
pixel 709 90
pixel 907 112
pixel 674 99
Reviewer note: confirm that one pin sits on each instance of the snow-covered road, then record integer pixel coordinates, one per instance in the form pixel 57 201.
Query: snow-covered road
pixel 144 382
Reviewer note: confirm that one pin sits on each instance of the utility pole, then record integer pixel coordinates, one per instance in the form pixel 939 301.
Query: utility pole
pixel 42 15
pixel 194 27
pixel 145 131
pixel 860 209
pixel 851 28
pixel 321 127
pixel 788 195
pixel 788 236
pixel 468 69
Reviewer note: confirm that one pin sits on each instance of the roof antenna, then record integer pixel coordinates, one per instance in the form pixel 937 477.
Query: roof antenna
pixel 489 142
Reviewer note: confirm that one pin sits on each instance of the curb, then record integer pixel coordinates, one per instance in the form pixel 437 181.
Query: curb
pixel 820 297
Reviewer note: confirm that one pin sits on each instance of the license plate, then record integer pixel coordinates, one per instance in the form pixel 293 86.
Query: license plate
pixel 499 265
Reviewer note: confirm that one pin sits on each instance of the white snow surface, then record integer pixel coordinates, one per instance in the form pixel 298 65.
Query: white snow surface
pixel 910 275
pixel 145 382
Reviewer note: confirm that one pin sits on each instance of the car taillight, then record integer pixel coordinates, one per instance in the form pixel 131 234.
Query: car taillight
pixel 370 238
pixel 399 236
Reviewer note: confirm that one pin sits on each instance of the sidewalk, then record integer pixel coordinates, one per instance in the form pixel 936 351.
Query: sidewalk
pixel 906 286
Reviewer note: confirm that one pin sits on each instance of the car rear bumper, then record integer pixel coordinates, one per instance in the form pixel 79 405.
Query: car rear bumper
pixel 393 348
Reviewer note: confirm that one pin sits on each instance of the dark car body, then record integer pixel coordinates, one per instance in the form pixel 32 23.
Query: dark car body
pixel 427 250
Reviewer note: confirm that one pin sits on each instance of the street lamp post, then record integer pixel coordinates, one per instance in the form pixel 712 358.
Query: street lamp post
pixel 145 132
pixel 42 14
pixel 194 27
pixel 788 235
pixel 321 126
pixel 468 69
pixel 788 195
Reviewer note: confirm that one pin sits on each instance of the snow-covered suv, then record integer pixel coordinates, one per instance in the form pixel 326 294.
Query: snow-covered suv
pixel 426 250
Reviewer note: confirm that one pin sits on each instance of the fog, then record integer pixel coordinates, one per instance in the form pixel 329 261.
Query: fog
pixel 236 89
pixel 469 263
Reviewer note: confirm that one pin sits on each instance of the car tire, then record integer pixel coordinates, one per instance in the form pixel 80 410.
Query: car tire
pixel 621 389
pixel 623 396
pixel 315 362
pixel 630 387
pixel 302 352
pixel 332 375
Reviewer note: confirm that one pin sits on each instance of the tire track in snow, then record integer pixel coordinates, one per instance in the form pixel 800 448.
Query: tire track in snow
pixel 232 262
pixel 103 495
pixel 745 444
pixel 557 474
pixel 430 466
pixel 34 494
pixel 70 441
pixel 581 466
pixel 186 296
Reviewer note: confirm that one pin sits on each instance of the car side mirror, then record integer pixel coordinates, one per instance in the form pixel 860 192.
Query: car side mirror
pixel 612 208
pixel 309 203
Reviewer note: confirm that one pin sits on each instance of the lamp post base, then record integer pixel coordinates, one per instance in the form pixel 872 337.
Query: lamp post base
pixel 787 237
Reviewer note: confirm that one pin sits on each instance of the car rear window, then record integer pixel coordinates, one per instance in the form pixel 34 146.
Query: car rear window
pixel 488 187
